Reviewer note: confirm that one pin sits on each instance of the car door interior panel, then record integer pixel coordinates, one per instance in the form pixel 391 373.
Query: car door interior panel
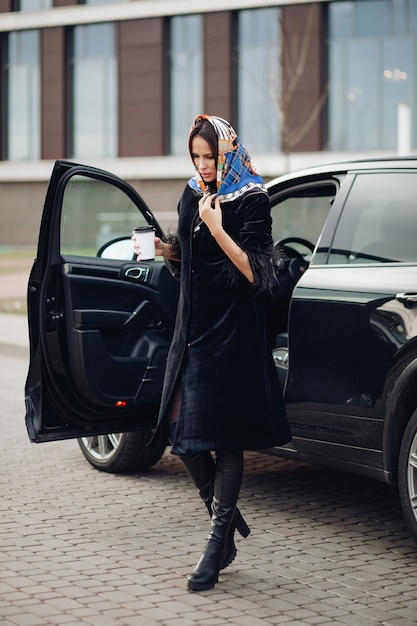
pixel 118 332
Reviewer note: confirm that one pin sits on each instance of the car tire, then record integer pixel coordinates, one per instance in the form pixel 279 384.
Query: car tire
pixel 407 475
pixel 121 452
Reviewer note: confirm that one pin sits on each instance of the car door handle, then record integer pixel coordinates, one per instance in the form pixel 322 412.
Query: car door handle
pixel 409 299
pixel 142 317
pixel 138 273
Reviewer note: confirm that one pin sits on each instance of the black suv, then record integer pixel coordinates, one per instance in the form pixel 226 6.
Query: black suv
pixel 344 343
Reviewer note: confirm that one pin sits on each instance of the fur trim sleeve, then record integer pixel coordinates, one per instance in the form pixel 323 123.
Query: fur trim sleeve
pixel 173 266
pixel 264 264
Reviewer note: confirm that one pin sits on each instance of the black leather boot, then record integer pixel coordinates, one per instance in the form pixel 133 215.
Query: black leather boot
pixel 202 469
pixel 227 481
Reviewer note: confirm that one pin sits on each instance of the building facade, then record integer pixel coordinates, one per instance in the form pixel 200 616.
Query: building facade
pixel 117 84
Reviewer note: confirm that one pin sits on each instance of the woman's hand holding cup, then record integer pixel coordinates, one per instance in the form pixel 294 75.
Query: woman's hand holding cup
pixel 144 240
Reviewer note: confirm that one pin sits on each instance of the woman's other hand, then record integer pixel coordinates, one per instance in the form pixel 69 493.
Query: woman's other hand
pixel 211 213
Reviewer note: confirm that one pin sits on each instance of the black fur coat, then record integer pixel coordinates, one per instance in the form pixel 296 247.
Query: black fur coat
pixel 220 359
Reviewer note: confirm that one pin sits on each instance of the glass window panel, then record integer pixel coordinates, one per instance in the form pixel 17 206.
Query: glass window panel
pixel 341 20
pixel 372 18
pixel 412 16
pixel 379 223
pixel 362 95
pixel 399 16
pixel 186 77
pixel 94 42
pixel 94 92
pixel 301 213
pixel 338 101
pixel 353 105
pixel 371 71
pixel 396 85
pixel 104 1
pixel 259 79
pixel 94 213
pixel 35 5
pixel 23 95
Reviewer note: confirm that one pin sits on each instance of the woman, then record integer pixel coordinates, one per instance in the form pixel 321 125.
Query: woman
pixel 221 393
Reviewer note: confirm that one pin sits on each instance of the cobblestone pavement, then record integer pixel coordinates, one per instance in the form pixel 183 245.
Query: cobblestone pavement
pixel 81 547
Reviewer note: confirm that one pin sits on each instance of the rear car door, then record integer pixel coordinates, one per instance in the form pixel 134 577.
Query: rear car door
pixel 100 323
pixel 353 322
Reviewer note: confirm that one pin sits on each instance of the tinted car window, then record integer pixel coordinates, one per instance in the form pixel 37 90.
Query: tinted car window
pixel 379 220
pixel 95 212
pixel 301 212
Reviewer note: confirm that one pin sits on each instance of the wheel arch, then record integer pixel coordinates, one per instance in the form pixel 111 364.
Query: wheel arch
pixel 401 404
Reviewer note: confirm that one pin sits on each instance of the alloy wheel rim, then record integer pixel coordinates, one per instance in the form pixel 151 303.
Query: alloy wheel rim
pixel 102 447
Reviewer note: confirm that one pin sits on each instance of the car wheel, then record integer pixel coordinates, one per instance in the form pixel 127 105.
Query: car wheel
pixel 121 452
pixel 407 475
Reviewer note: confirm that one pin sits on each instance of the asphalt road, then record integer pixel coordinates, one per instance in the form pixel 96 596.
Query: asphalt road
pixel 80 547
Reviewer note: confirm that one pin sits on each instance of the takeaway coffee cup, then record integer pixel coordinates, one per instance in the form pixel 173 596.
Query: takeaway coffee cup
pixel 145 239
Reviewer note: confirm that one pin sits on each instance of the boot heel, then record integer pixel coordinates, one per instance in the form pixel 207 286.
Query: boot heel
pixel 241 525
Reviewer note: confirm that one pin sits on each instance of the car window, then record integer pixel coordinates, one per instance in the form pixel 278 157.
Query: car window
pixel 95 213
pixel 300 213
pixel 379 220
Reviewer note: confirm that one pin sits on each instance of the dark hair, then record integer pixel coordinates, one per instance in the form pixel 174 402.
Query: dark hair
pixel 203 128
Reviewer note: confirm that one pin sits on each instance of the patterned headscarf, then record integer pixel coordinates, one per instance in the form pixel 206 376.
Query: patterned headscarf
pixel 235 171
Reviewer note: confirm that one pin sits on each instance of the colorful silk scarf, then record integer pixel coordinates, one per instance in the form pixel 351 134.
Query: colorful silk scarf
pixel 235 172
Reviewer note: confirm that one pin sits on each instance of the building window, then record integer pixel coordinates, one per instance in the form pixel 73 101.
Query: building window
pixel 23 95
pixel 103 1
pixel 259 79
pixel 32 5
pixel 93 79
pixel 372 69
pixel 186 77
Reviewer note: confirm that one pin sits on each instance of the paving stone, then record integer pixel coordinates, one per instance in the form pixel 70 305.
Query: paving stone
pixel 26 619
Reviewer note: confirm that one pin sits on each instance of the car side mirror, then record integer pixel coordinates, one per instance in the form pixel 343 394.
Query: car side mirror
pixel 119 249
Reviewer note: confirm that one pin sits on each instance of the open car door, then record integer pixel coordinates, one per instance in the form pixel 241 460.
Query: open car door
pixel 100 323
